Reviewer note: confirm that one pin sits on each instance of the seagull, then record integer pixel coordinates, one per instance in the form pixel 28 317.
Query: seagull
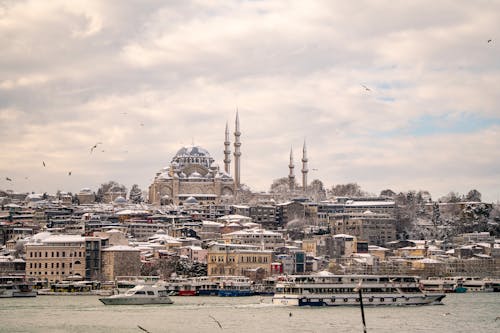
pixel 69 173
pixel 43 162
pixel 142 124
pixel 7 178
pixel 94 147
pixel 314 169
pixel 490 40
pixel 218 323
pixel 366 88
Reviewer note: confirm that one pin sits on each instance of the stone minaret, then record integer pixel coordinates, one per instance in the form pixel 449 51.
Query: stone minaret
pixel 227 152
pixel 304 167
pixel 237 152
pixel 291 175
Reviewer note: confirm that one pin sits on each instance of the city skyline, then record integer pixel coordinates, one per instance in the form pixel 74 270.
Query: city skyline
pixel 387 95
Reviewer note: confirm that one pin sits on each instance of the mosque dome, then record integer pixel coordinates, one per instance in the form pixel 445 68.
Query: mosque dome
pixel 192 155
pixel 192 151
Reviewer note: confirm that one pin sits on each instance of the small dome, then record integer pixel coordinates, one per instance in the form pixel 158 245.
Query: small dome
pixel 120 200
pixel 191 200
pixel 195 175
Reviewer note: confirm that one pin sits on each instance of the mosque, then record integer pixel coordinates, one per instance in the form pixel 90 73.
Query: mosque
pixel 193 177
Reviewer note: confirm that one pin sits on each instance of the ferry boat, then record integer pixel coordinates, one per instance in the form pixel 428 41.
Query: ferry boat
pixel 443 285
pixel 326 289
pixel 235 286
pixel 140 295
pixel 16 286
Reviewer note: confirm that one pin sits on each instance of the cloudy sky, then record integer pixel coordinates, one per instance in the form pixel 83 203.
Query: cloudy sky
pixel 147 77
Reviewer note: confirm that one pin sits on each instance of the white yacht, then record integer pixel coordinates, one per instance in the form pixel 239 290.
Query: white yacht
pixel 140 295
pixel 326 289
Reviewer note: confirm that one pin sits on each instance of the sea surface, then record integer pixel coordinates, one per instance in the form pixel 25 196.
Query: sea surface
pixel 469 312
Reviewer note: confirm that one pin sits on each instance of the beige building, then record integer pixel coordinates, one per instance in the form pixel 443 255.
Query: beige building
pixel 236 259
pixel 54 257
pixel 120 260
pixel 376 229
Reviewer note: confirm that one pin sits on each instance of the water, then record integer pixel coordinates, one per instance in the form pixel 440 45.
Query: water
pixel 469 312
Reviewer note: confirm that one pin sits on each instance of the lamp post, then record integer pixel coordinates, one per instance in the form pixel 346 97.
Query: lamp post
pixel 358 289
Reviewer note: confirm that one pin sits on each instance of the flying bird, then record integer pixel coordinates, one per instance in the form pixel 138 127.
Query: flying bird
pixel 218 323
pixel 366 88
pixel 490 40
pixel 7 178
pixel 94 147
pixel 69 173
pixel 43 162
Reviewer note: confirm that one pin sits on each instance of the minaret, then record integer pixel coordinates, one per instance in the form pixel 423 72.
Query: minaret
pixel 291 175
pixel 304 167
pixel 237 153
pixel 227 152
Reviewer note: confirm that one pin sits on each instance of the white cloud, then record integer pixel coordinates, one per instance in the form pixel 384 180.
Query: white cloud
pixel 76 74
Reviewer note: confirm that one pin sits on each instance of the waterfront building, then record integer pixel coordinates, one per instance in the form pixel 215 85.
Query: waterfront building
pixel 120 260
pixel 237 259
pixel 54 257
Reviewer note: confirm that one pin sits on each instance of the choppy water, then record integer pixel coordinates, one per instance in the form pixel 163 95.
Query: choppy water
pixel 467 312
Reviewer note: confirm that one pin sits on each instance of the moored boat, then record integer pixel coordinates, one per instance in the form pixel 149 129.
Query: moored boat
pixel 140 295
pixel 233 286
pixel 325 289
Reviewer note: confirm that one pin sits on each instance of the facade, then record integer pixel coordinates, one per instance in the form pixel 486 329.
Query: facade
pixel 264 239
pixel 54 257
pixel 120 260
pixel 236 259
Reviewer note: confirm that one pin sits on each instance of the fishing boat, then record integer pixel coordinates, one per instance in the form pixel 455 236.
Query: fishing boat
pixel 326 289
pixel 140 295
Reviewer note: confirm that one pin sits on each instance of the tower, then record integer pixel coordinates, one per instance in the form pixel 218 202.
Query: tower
pixel 227 152
pixel 304 167
pixel 291 175
pixel 237 152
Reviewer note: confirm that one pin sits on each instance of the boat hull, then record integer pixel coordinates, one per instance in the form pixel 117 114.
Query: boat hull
pixel 353 300
pixel 235 293
pixel 135 300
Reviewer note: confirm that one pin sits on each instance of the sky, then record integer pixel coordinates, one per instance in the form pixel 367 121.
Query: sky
pixel 400 95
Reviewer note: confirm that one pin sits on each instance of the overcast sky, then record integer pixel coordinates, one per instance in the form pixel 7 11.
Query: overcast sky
pixel 148 77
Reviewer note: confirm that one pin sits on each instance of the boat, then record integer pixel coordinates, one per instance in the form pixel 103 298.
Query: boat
pixel 140 295
pixel 16 286
pixel 326 289
pixel 443 285
pixel 232 286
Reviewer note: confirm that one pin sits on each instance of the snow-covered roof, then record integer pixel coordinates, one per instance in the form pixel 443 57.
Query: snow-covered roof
pixel 121 248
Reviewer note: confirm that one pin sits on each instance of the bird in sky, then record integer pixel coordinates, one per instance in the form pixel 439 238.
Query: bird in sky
pixel 69 173
pixel 7 178
pixel 142 124
pixel 95 146
pixel 314 169
pixel 490 40
pixel 43 162
pixel 366 88
pixel 218 323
